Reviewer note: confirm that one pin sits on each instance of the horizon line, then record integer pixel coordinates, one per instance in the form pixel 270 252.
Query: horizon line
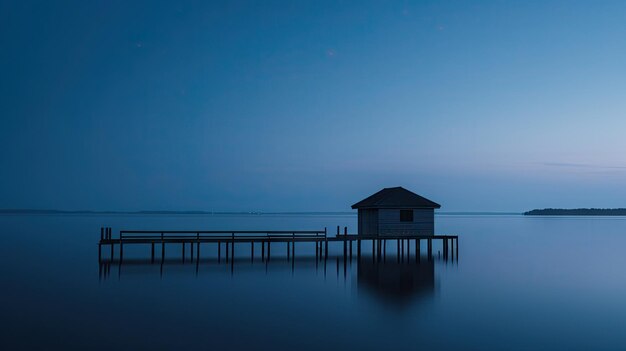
pixel 198 212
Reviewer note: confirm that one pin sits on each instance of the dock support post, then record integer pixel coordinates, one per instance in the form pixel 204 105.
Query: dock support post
pixel 457 248
pixel 152 253
pixel 326 249
pixel 219 252
pixel 251 251
pixel 358 249
pixel 198 250
pixel 183 252
pixel 398 243
pixel 162 248
pixel 350 250
pixel 268 250
pixel 408 250
pixel 232 250
pixel 347 242
pixel 321 249
pixel 418 251
pixel 99 252
pixel 191 250
pixel 430 249
pixel 227 249
pixel 289 251
pixel 317 250
pixel 384 253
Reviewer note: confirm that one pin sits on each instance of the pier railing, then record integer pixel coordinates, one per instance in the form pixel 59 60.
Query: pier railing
pixel 138 236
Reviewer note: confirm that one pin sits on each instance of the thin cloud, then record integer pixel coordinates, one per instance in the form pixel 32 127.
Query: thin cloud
pixel 579 165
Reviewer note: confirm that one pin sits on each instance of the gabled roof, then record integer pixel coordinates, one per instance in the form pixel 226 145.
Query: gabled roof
pixel 397 197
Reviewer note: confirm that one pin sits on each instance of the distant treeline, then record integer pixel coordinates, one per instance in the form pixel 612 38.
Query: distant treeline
pixel 578 212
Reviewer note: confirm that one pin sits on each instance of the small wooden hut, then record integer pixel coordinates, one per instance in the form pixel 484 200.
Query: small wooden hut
pixel 396 212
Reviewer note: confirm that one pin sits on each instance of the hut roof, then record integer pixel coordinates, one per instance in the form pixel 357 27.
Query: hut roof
pixel 397 197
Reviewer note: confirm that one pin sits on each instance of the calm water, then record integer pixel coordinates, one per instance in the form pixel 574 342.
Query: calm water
pixel 520 283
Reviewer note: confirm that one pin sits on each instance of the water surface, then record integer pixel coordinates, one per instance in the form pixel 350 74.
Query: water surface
pixel 520 283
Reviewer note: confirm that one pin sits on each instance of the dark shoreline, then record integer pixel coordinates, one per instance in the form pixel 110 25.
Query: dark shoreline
pixel 577 212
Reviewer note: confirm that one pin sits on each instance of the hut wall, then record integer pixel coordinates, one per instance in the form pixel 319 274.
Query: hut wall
pixel 368 222
pixel 423 222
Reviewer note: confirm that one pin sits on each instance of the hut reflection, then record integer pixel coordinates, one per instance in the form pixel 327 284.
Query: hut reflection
pixel 396 282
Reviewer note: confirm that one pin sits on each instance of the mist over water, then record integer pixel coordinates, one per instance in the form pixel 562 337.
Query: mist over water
pixel 520 282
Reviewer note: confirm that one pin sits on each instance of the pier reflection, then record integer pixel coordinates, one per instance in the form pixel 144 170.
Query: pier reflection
pixel 396 282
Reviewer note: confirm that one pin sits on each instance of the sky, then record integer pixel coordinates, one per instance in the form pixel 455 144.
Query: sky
pixel 311 106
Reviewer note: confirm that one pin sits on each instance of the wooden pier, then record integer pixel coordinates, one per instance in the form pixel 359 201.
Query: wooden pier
pixel 160 240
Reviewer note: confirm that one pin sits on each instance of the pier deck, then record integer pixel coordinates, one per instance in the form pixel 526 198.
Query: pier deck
pixel 449 243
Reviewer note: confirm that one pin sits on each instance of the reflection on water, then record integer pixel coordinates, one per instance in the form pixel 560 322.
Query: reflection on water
pixel 397 282
pixel 389 281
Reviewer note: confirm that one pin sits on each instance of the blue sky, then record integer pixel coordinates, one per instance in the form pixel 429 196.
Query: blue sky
pixel 298 106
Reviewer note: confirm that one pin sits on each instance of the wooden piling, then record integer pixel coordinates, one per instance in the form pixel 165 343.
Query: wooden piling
pixel 350 250
pixel 452 248
pixel 198 250
pixel 317 251
pixel 430 248
pixel 408 250
pixel 321 249
pixel 326 249
pixel 162 248
pixel 398 249
pixel 418 250
pixel 232 250
pixel 152 253
pixel 348 242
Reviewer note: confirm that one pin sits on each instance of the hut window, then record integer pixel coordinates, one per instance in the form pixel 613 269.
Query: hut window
pixel 406 215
